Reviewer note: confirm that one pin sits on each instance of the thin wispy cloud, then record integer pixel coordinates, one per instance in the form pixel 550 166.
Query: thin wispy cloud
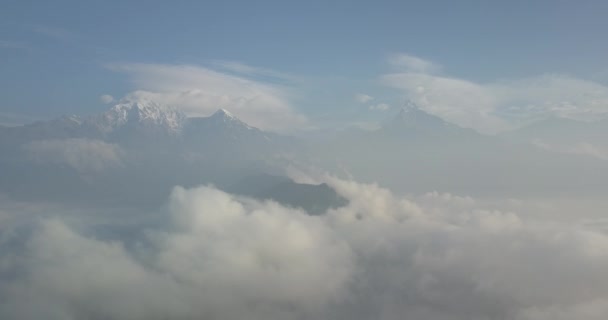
pixel 243 69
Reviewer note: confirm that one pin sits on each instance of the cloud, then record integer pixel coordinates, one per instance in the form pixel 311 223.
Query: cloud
pixel 412 63
pixel 106 99
pixel 87 156
pixel 459 101
pixel 501 105
pixel 219 258
pixel 363 98
pixel 383 256
pixel 379 107
pixel 201 91
pixel 245 69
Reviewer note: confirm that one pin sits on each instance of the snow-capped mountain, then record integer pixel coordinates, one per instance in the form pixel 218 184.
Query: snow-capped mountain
pixel 142 113
pixel 143 122
pixel 223 126
pixel 134 145
pixel 411 121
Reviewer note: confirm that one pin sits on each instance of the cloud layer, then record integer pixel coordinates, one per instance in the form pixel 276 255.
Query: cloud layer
pixel 436 256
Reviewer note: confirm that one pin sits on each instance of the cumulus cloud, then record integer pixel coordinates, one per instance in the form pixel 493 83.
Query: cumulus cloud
pixel 497 106
pixel 87 156
pixel 383 256
pixel 106 99
pixel 200 91
pixel 219 258
pixel 363 98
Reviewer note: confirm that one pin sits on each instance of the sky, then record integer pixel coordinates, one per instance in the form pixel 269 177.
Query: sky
pixel 486 65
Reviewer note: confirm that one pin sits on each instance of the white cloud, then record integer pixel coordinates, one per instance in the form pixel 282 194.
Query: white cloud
pixel 383 256
pixel 106 99
pixel 501 105
pixel 245 69
pixel 363 98
pixel 413 64
pixel 221 256
pixel 200 91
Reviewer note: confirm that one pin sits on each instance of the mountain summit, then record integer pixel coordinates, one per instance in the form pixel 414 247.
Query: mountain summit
pixel 223 113
pixel 411 118
pixel 139 113
pixel 413 122
pixel 224 118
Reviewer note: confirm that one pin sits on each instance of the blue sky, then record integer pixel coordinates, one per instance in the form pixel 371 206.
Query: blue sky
pixel 490 65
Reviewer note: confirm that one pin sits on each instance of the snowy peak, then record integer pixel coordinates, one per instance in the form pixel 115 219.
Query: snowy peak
pixel 225 118
pixel 224 129
pixel 141 113
pixel 223 113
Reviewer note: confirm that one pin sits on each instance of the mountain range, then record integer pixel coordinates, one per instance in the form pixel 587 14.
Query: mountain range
pixel 142 149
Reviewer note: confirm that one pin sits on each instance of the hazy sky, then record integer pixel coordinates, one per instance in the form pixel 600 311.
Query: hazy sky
pixel 324 60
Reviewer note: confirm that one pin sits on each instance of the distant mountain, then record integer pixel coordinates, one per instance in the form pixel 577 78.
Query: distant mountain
pixel 136 151
pixel 144 114
pixel 413 122
pixel 136 146
pixel 565 136
pixel 144 122
pixel 60 128
pixel 225 133
pixel 315 199
pixel 417 152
